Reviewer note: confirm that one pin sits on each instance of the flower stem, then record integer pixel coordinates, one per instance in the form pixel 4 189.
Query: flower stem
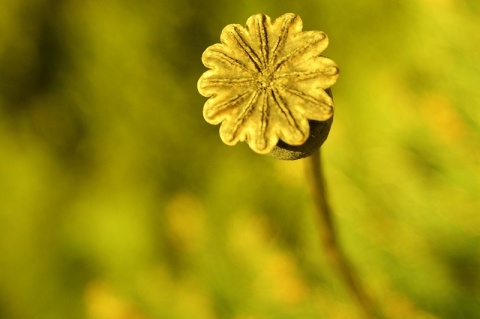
pixel 332 248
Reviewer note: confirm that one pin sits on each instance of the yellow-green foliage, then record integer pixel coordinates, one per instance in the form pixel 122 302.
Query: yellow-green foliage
pixel 117 200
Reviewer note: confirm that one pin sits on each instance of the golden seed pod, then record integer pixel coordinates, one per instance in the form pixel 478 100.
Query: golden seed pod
pixel 268 85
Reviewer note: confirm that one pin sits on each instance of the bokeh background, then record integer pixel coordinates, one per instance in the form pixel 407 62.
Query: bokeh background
pixel 118 201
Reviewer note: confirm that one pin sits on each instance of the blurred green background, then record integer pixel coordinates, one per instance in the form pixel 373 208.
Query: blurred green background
pixel 118 201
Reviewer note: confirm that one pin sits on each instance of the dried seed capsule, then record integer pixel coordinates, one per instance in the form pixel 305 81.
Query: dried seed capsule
pixel 267 85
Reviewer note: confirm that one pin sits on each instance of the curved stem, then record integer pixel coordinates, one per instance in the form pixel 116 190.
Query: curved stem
pixel 331 246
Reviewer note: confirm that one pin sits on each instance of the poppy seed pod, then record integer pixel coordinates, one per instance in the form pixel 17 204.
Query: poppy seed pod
pixel 268 85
